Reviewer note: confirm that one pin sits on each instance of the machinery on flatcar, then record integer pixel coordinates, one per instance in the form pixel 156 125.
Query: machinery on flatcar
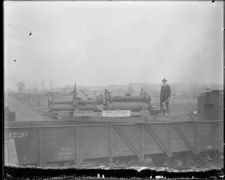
pixel 138 105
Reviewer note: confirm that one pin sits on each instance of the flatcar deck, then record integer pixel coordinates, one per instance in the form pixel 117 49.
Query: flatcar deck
pixel 100 120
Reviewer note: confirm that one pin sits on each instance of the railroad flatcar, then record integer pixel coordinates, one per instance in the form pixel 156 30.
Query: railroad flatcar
pixel 119 129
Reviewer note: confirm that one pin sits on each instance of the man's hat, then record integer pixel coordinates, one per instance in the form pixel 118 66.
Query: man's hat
pixel 164 80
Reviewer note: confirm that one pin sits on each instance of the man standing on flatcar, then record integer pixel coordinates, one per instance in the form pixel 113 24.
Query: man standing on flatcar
pixel 165 94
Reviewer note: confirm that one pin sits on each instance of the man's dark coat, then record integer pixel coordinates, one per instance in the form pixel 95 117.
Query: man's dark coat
pixel 165 93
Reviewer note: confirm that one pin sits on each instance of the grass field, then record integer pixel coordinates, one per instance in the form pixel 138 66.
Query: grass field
pixel 34 107
pixel 28 108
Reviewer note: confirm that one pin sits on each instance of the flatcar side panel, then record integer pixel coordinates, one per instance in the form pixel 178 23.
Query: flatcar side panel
pixel 217 135
pixel 93 142
pixel 126 140
pixel 23 145
pixel 183 137
pixel 57 144
pixel 205 135
pixel 46 145
pixel 157 138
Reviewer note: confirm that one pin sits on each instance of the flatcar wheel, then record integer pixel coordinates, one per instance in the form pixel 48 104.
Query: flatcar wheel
pixel 190 161
pixel 214 155
pixel 159 159
pixel 187 160
pixel 176 163
pixel 170 162
pixel 201 160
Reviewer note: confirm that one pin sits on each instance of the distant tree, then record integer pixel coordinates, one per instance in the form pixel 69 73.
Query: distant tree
pixel 94 93
pixel 130 90
pixel 119 91
pixel 51 84
pixel 42 85
pixel 20 86
pixel 35 86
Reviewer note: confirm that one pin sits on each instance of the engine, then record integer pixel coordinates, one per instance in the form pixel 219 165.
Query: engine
pixel 136 104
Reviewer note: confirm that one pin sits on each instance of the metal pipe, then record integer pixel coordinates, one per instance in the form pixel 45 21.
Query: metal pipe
pixel 127 98
pixel 62 102
pixel 61 108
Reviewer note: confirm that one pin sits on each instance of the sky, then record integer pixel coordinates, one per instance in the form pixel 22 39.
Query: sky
pixel 103 43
